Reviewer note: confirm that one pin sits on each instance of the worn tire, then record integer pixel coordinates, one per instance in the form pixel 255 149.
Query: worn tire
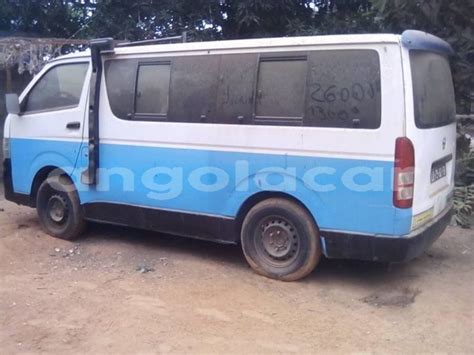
pixel 280 240
pixel 55 193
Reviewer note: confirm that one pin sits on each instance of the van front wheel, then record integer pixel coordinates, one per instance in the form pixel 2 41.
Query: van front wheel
pixel 280 240
pixel 58 207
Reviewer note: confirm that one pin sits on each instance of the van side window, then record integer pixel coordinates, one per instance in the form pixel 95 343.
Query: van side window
pixel 120 76
pixel 280 89
pixel 59 88
pixel 343 89
pixel 322 88
pixel 152 93
pixel 193 89
pixel 235 97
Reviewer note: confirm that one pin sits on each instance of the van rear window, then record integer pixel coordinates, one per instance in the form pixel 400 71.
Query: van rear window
pixel 433 92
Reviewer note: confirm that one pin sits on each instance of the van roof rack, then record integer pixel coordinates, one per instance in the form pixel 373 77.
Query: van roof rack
pixel 174 39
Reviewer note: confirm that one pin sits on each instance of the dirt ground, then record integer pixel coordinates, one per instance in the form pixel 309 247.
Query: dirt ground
pixel 120 290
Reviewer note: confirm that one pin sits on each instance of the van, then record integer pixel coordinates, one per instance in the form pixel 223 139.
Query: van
pixel 295 148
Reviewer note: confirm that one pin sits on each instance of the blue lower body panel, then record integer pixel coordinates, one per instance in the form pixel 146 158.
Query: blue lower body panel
pixel 345 195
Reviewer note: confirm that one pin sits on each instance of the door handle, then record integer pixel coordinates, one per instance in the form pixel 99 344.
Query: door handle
pixel 73 125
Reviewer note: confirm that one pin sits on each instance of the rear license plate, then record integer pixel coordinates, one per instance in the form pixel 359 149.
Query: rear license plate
pixel 438 172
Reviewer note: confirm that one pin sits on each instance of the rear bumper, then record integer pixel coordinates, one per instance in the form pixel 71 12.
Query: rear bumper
pixel 383 248
pixel 10 194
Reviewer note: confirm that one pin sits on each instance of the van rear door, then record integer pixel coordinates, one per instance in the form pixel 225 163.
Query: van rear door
pixel 431 127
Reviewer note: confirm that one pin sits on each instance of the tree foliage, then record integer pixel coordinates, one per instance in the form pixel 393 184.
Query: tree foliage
pixel 205 19
pixel 42 18
pixel 450 20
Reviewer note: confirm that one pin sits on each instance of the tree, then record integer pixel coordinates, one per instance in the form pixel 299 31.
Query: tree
pixel 450 20
pixel 263 18
pixel 41 17
pixel 144 19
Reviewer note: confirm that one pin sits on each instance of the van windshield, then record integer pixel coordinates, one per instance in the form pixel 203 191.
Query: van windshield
pixel 433 91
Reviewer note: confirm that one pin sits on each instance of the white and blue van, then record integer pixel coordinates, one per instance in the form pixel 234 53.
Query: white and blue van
pixel 342 146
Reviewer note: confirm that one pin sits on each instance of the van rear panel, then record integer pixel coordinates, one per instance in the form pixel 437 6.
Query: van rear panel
pixel 431 127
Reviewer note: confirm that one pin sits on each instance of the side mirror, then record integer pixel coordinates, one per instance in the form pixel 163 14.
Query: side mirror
pixel 13 104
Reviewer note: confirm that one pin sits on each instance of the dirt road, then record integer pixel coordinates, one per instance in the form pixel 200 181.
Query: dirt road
pixel 121 290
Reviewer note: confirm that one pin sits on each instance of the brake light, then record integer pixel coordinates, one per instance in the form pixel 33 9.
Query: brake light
pixel 404 174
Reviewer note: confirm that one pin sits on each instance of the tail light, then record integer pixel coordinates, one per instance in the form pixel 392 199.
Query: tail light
pixel 404 174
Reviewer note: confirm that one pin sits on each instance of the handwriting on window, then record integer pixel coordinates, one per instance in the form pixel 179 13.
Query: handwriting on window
pixel 341 102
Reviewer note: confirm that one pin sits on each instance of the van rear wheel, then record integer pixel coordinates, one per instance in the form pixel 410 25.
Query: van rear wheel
pixel 58 208
pixel 280 240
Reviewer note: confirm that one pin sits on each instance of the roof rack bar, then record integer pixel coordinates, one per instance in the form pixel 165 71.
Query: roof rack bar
pixel 180 38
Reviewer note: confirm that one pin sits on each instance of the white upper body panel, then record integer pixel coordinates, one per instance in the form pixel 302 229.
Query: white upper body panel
pixel 370 144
